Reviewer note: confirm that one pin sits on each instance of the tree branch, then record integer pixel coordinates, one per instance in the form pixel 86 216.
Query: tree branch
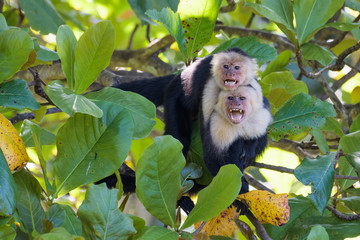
pixel 228 8
pixel 259 227
pixel 291 171
pixel 283 42
pixel 343 216
pixel 23 116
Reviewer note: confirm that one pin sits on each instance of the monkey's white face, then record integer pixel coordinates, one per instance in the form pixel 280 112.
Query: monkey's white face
pixel 232 69
pixel 235 105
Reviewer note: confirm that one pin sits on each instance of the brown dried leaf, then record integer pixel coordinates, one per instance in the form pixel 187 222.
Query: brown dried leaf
pixel 12 145
pixel 31 60
pixel 222 225
pixel 268 207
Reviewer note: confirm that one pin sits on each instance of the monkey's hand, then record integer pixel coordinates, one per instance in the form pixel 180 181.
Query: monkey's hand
pixel 241 207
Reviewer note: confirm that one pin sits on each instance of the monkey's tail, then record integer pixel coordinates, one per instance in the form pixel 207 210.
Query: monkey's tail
pixel 153 88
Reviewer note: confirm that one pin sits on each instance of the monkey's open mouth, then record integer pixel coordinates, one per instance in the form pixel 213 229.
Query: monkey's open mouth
pixel 236 115
pixel 230 82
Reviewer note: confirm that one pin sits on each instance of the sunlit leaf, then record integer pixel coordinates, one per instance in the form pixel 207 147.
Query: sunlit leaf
pixel 172 23
pixel 101 216
pixel 299 114
pixel 158 178
pixel 140 7
pixel 59 234
pixel 70 102
pixel 319 173
pixel 16 94
pixel 318 232
pixel 279 64
pixel 321 54
pixel 93 53
pixel 66 45
pixel 90 148
pixel 311 15
pixel 213 199
pixel 142 110
pixel 11 145
pixel 198 20
pixel 15 47
pixel 268 207
pixel 42 15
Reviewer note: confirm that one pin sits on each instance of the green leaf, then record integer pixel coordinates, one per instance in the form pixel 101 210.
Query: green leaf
pixel 63 216
pixel 349 144
pixel 90 148
pixel 320 140
pixel 15 47
pixel 311 15
pixel 219 195
pixel 101 217
pixel 334 126
pixel 158 178
pixel 159 233
pixel 93 53
pixel 251 45
pixel 284 83
pixel 352 202
pixel 355 126
pixel 198 20
pixel 59 234
pixel 343 26
pixel 46 55
pixel 317 233
pixel 70 102
pixel 142 110
pixel 7 189
pixel 319 173
pixel 3 23
pixel 28 201
pixel 195 155
pixel 303 211
pixel 140 7
pixel 277 11
pixel 42 15
pixel 7 233
pixel 66 46
pixel 16 94
pixel 46 137
pixel 171 22
pixel 299 114
pixel 321 54
pixel 279 64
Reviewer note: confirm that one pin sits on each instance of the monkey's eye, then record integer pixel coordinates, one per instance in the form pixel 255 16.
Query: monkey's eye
pixel 242 98
pixel 226 66
pixel 230 98
pixel 237 67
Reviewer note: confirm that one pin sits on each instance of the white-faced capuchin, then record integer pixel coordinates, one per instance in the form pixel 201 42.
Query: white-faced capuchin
pixel 181 94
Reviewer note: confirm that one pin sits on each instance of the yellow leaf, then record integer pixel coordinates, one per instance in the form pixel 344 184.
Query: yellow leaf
pixel 11 145
pixel 222 225
pixel 30 61
pixel 268 207
pixel 355 95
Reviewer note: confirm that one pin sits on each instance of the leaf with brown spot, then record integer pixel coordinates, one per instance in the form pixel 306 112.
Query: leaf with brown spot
pixel 268 207
pixel 221 225
pixel 11 144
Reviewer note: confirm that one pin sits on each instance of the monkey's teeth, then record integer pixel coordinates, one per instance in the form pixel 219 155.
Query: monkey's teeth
pixel 236 115
pixel 230 82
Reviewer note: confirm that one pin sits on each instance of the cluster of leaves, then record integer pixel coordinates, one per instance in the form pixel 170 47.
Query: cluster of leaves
pixel 101 126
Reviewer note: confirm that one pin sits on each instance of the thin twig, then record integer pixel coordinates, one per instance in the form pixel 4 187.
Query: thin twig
pixel 256 184
pixel 132 37
pixel 291 171
pixel 23 116
pixel 259 227
pixel 343 216
pixel 199 229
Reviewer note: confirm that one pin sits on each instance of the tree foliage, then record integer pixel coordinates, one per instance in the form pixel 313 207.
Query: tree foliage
pixel 53 53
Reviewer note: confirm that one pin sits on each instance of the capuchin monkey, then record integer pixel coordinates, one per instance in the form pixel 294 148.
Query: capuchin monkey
pixel 181 94
pixel 233 131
